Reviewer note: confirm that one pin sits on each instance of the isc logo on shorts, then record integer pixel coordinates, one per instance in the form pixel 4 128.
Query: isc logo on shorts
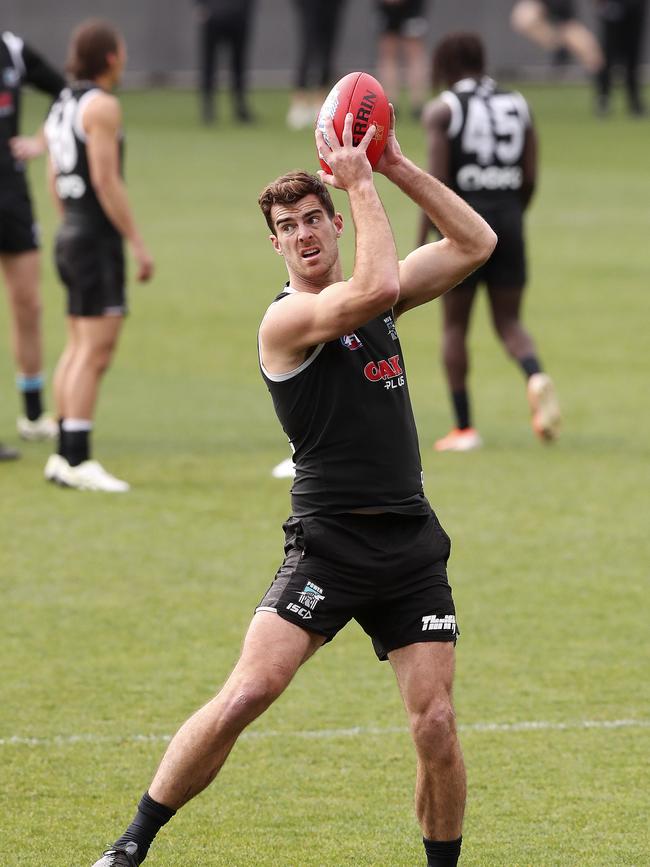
pixel 431 622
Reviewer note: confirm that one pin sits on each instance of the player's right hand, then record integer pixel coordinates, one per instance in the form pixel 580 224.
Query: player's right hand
pixel 349 164
pixel 144 261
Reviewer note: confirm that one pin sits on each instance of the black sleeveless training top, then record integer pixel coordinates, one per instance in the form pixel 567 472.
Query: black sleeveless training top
pixel 67 145
pixel 347 412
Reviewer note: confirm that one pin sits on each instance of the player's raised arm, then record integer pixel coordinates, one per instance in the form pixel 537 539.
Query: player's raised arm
pixel 467 241
pixel 324 306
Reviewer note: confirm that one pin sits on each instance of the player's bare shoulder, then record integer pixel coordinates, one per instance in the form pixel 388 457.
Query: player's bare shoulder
pixel 436 115
pixel 103 111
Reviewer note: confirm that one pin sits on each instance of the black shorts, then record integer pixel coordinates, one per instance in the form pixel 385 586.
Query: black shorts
pixel 506 267
pixel 405 18
pixel 388 572
pixel 91 266
pixel 560 10
pixel 18 229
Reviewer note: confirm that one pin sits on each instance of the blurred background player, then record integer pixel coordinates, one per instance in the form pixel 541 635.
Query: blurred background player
pixel 224 22
pixel 84 133
pixel 402 29
pixel 19 253
pixel 555 27
pixel 622 25
pixel 482 143
pixel 318 27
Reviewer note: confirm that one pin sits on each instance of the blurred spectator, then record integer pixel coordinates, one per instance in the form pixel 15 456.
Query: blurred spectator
pixel 482 143
pixel 226 22
pixel 318 27
pixel 621 27
pixel 20 65
pixel 554 26
pixel 403 26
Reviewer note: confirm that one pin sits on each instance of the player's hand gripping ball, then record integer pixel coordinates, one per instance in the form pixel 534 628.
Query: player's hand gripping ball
pixel 363 96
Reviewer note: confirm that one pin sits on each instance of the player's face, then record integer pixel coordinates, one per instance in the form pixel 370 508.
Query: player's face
pixel 307 238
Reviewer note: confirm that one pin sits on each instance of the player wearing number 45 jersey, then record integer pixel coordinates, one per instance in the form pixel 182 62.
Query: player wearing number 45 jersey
pixel 85 142
pixel 362 542
pixel 482 143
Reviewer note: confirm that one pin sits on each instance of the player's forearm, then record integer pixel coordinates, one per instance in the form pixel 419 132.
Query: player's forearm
pixel 375 263
pixel 113 198
pixel 453 217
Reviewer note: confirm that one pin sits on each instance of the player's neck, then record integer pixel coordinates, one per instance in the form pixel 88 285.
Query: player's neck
pixel 303 284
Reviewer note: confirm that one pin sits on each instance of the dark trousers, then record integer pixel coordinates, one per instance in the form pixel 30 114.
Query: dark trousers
pixel 621 38
pixel 317 29
pixel 231 30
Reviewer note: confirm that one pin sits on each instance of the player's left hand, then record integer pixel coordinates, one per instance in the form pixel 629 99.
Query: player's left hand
pixel 392 154
pixel 27 147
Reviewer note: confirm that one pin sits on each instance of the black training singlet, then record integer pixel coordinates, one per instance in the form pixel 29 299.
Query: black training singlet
pixel 347 412
pixel 486 136
pixel 67 145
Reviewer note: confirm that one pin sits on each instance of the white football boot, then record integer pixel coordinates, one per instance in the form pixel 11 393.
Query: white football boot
pixel 544 407
pixel 459 440
pixel 286 469
pixel 90 476
pixel 42 428
pixel 54 467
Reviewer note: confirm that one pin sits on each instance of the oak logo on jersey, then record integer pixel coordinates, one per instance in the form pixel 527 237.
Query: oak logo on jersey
pixel 383 369
pixel 351 341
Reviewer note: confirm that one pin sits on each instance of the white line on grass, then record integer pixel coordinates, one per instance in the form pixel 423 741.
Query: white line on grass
pixel 325 734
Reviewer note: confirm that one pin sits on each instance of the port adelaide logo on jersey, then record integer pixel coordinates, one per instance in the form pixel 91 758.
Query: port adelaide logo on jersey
pixel 308 599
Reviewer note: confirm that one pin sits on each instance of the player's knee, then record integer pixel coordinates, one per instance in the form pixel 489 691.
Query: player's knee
pixel 28 307
pixel 524 15
pixel 434 728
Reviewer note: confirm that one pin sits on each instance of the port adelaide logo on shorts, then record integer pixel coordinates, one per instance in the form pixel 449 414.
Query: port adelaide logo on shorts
pixel 308 599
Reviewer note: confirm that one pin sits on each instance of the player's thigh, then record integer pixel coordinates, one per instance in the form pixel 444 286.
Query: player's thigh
pixel 457 304
pixel 277 645
pixel 21 273
pixel 505 304
pixel 424 672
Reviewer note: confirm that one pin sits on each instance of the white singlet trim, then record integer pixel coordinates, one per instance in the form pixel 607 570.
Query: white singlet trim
pixel 82 102
pixel 456 122
pixel 282 377
pixel 15 45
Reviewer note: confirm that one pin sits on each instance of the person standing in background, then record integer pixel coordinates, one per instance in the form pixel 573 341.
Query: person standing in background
pixel 86 145
pixel 19 241
pixel 482 143
pixel 555 27
pixel 622 24
pixel 318 27
pixel 224 22
pixel 403 27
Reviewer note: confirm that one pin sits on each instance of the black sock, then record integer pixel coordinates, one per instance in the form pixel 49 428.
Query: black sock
pixel 149 819
pixel 75 446
pixel 442 853
pixel 60 448
pixel 530 365
pixel 460 401
pixel 33 402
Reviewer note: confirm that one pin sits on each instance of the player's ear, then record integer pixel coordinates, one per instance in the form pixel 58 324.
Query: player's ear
pixel 338 224
pixel 276 245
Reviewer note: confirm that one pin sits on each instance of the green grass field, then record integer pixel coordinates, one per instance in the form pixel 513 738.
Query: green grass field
pixel 121 614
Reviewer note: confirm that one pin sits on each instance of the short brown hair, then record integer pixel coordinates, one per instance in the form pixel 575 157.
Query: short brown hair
pixel 457 56
pixel 290 188
pixel 91 43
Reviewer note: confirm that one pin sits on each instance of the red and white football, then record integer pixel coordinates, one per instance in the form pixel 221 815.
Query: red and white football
pixel 363 96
